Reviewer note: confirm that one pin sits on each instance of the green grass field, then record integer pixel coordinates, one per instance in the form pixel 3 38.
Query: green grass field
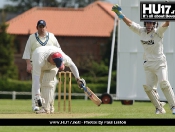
pixel 84 109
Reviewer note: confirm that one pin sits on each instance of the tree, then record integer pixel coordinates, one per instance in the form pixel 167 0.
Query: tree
pixel 20 6
pixel 7 67
pixel 107 54
pixel 97 69
pixel 75 3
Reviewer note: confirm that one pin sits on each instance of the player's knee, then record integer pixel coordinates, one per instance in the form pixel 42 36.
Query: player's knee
pixel 147 88
pixel 48 79
pixel 48 84
pixel 164 85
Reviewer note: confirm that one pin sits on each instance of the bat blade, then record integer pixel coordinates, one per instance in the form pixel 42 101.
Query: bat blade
pixel 92 96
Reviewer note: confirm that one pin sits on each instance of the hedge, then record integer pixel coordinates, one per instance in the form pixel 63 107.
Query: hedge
pixel 25 86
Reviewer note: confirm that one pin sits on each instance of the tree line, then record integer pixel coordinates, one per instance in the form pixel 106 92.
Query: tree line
pixel 20 6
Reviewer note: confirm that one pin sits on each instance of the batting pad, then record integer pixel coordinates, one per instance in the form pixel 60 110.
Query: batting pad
pixel 48 87
pixel 153 96
pixel 48 79
pixel 168 92
pixel 47 94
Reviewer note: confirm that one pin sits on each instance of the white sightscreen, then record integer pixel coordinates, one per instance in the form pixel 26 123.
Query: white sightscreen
pixel 130 72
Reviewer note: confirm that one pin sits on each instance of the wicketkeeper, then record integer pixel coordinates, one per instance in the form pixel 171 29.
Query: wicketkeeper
pixel 155 64
pixel 45 60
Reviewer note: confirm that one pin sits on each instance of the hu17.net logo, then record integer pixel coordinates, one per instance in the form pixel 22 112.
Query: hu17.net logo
pixel 157 10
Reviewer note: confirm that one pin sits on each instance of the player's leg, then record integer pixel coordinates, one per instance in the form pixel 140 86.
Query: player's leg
pixel 165 86
pixel 154 98
pixel 151 91
pixel 168 93
pixel 47 90
pixel 35 80
pixel 52 109
pixel 34 105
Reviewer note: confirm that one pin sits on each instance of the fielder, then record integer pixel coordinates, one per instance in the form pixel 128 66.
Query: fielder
pixel 40 38
pixel 46 59
pixel 155 64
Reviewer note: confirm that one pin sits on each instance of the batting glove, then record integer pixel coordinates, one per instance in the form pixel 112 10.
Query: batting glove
pixel 81 82
pixel 117 9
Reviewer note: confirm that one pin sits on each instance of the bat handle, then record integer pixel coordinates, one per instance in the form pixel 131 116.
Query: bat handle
pixel 85 89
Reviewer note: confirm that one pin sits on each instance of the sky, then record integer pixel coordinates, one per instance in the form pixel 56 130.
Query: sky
pixel 3 2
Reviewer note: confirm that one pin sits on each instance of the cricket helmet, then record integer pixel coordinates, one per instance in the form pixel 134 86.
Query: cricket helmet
pixel 58 59
pixel 155 23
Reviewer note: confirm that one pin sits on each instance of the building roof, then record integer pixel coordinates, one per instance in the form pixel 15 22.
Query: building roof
pixel 96 19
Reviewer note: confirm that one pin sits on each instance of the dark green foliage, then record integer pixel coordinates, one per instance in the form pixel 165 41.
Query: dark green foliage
pixel 15 85
pixel 107 54
pixel 25 86
pixel 20 6
pixel 7 67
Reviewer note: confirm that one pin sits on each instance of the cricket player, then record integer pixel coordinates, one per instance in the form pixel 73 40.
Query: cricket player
pixel 38 39
pixel 155 64
pixel 46 59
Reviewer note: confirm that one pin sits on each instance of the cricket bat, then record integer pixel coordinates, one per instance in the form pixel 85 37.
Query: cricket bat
pixel 92 96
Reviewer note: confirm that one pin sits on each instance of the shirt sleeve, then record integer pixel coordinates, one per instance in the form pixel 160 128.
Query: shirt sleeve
pixel 160 31
pixel 54 40
pixel 27 50
pixel 67 61
pixel 136 28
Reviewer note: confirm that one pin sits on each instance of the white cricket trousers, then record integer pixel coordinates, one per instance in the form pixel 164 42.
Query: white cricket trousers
pixel 55 85
pixel 155 71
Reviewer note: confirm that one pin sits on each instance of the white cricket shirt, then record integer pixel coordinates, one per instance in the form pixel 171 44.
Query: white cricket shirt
pixel 33 43
pixel 41 54
pixel 152 42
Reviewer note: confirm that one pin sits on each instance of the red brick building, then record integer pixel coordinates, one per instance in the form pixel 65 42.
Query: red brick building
pixel 82 32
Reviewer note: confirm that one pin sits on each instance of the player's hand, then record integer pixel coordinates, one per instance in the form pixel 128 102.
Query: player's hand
pixel 117 9
pixel 81 82
pixel 29 68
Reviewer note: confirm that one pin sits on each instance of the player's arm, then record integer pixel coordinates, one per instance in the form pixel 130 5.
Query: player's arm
pixel 166 24
pixel 68 62
pixel 54 39
pixel 26 55
pixel 117 9
pixel 161 29
pixel 127 21
pixel 29 65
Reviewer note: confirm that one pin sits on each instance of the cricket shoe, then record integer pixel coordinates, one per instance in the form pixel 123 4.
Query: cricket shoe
pixel 173 110
pixel 39 101
pixel 42 111
pixel 35 108
pixel 160 111
pixel 52 109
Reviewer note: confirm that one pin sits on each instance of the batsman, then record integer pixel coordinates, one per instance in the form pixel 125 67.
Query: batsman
pixel 155 64
pixel 46 59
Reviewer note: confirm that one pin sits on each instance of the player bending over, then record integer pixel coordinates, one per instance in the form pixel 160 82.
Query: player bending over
pixel 45 59
pixel 155 64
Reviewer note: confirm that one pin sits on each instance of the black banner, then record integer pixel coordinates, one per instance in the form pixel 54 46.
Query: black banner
pixel 87 122
pixel 152 10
